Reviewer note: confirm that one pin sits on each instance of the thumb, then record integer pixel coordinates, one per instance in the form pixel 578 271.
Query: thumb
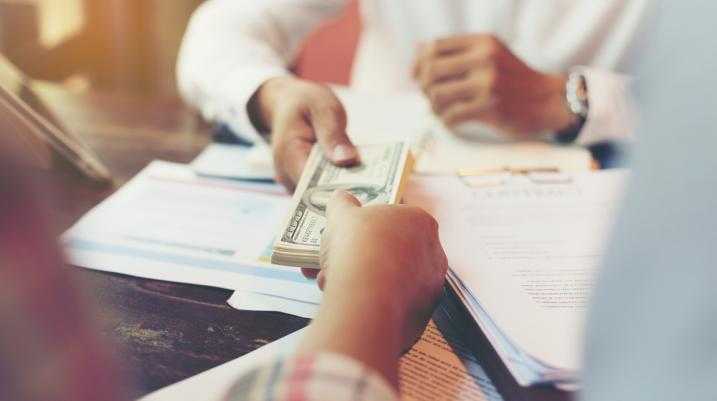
pixel 341 201
pixel 328 120
pixel 421 55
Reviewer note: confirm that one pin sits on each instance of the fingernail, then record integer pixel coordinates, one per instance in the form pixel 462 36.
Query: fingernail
pixel 344 153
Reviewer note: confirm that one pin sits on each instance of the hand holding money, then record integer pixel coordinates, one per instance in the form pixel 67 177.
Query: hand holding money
pixel 299 113
pixel 378 179
pixel 384 264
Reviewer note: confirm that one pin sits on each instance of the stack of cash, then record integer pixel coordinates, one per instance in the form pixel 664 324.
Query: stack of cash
pixel 378 179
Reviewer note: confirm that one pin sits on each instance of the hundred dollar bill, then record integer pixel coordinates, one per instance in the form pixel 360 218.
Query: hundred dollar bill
pixel 378 179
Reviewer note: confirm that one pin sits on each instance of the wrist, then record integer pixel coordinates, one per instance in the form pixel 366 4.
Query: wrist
pixel 377 300
pixel 559 116
pixel 576 101
pixel 361 327
pixel 263 103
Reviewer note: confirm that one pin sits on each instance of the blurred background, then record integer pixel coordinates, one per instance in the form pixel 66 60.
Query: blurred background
pixel 132 45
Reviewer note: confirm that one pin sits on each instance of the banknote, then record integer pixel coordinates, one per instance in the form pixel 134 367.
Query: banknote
pixel 377 179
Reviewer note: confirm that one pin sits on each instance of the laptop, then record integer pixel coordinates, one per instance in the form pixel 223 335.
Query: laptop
pixel 35 135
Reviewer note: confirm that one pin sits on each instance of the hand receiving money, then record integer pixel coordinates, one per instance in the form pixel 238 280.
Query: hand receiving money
pixel 382 270
pixel 392 249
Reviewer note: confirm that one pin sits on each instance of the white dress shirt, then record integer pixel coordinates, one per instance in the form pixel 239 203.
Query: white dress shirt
pixel 232 46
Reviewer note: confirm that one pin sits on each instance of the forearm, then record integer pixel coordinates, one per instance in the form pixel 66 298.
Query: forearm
pixel 232 46
pixel 362 328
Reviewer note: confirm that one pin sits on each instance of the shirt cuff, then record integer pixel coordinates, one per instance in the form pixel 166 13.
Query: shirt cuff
pixel 612 114
pixel 312 378
pixel 230 106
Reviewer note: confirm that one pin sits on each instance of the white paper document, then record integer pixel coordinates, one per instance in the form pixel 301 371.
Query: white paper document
pixel 441 368
pixel 445 154
pixel 235 162
pixel 437 368
pixel 170 224
pixel 244 300
pixel 524 251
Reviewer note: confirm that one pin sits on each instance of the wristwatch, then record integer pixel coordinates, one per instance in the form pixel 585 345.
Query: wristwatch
pixel 576 100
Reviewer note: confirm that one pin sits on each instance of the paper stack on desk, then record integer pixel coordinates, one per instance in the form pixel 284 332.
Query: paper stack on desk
pixel 167 223
pixel 442 153
pixel 523 252
pixel 235 162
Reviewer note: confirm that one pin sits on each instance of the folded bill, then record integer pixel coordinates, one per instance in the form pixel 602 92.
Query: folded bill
pixel 378 179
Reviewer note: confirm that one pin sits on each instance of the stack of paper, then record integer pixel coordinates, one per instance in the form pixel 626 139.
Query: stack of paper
pixel 523 251
pixel 235 162
pixel 170 224
pixel 442 153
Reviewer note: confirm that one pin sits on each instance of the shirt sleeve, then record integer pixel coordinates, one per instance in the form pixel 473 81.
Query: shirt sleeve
pixel 232 46
pixel 612 114
pixel 312 378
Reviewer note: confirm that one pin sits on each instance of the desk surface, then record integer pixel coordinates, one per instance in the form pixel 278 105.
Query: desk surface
pixel 166 331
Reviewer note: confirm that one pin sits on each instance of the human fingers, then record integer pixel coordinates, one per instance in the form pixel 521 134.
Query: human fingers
pixel 484 44
pixel 442 95
pixel 455 43
pixel 338 205
pixel 321 279
pixel 444 68
pixel 311 274
pixel 328 119
pixel 423 51
pixel 442 47
pixel 340 202
pixel 479 86
pixel 291 150
pixel 479 109
pixel 485 51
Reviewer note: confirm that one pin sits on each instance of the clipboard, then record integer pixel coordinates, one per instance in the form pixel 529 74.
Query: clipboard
pixel 32 131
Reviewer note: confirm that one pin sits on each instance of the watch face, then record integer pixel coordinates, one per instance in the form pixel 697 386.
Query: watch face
pixel 582 90
pixel 577 95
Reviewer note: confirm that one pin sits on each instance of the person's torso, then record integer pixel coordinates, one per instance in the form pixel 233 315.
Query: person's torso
pixel 550 35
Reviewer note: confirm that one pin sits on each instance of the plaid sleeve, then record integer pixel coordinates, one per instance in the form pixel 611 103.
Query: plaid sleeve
pixel 312 378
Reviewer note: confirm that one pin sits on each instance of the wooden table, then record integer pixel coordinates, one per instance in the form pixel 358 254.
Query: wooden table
pixel 166 331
